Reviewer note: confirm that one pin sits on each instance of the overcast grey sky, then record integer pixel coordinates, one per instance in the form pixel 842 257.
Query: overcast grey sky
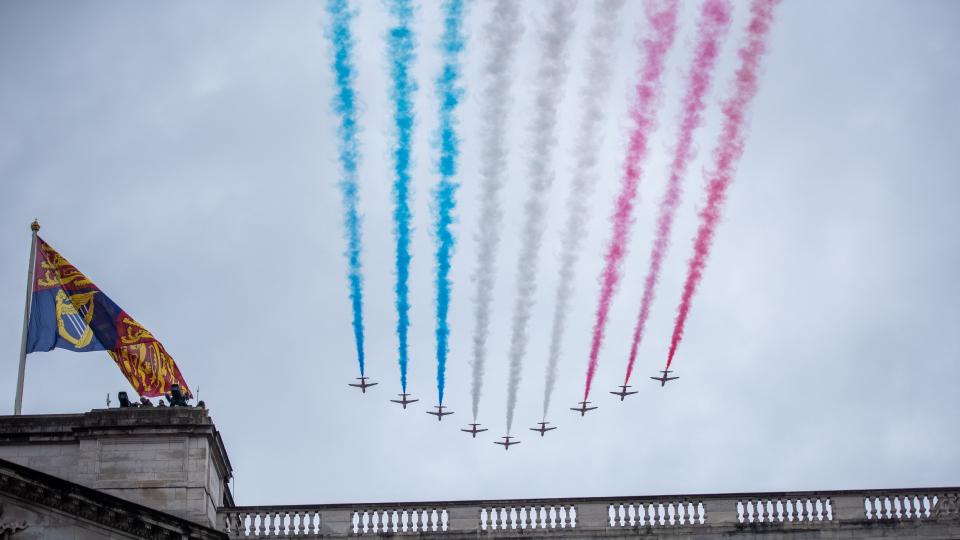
pixel 182 155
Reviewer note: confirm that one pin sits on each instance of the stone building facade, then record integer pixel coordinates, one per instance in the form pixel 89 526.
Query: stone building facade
pixel 164 473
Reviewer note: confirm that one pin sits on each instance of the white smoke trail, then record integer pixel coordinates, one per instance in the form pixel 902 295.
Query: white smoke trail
pixel 551 74
pixel 593 94
pixel 502 32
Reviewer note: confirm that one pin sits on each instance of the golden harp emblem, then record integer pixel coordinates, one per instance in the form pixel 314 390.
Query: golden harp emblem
pixel 74 313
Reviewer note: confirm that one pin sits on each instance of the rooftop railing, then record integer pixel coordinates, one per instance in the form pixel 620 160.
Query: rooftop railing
pixel 669 513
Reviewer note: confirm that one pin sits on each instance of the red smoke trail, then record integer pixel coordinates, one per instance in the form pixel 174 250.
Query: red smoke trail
pixel 664 24
pixel 727 153
pixel 713 25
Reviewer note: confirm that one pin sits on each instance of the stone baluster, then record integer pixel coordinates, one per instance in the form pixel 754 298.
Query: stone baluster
pixel 296 523
pixel 422 520
pixel 918 506
pixel 643 515
pixel 413 520
pixel 874 504
pixel 302 527
pixel 906 507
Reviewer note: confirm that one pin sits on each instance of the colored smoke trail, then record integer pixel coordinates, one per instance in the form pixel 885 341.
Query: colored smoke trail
pixel 663 20
pixel 726 154
pixel 502 33
pixel 344 103
pixel 401 51
pixel 593 96
pixel 711 29
pixel 551 74
pixel 451 44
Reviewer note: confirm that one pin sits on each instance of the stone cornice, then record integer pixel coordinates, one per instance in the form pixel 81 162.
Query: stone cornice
pixel 102 423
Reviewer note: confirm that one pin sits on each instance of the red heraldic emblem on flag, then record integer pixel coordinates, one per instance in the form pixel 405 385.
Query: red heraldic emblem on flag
pixel 69 312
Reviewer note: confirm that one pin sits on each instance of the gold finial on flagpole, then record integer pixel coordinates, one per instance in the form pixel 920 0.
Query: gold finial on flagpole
pixel 35 226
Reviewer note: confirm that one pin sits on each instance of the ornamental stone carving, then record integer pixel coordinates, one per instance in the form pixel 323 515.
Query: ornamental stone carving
pixel 9 528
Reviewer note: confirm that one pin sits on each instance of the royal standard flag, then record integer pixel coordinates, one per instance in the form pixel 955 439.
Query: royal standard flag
pixel 69 312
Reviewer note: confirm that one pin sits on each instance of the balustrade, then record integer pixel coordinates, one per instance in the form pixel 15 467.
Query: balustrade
pixel 805 510
pixel 786 509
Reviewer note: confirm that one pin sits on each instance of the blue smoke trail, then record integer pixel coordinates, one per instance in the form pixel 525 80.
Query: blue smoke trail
pixel 444 194
pixel 344 103
pixel 401 45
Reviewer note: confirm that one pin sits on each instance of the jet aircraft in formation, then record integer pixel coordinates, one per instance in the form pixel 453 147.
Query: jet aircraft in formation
pixel 404 401
pixel 543 429
pixel 582 409
pixel 623 391
pixel 473 430
pixel 363 384
pixel 664 378
pixel 439 413
pixel 506 443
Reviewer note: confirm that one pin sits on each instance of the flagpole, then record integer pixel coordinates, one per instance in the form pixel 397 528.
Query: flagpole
pixel 35 226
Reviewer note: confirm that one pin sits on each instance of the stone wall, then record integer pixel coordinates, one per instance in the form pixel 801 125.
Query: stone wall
pixel 170 459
